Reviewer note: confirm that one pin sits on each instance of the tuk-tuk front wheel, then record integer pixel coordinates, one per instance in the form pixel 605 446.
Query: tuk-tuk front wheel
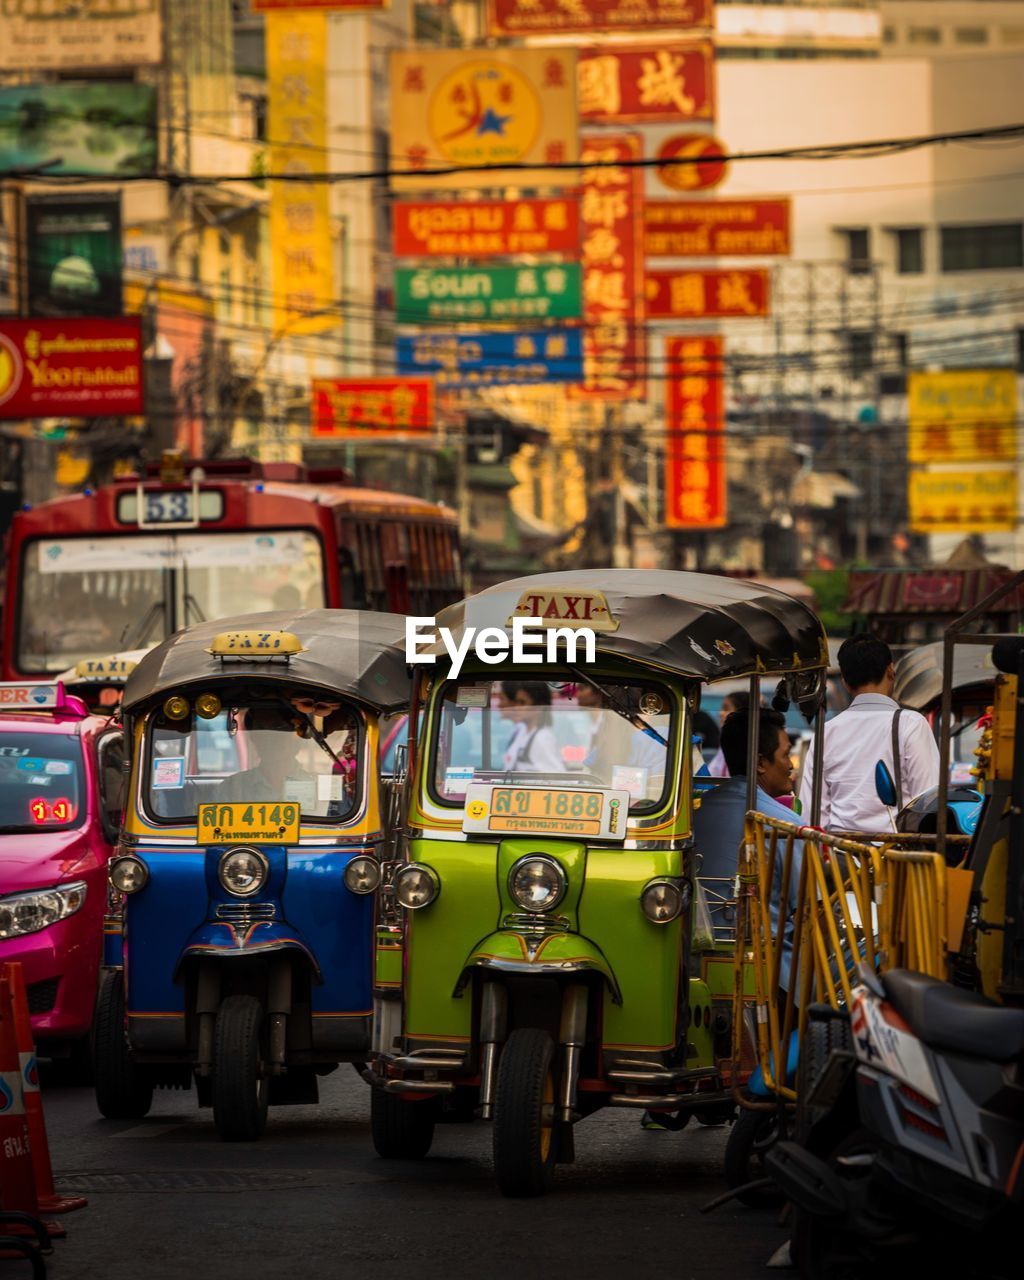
pixel 401 1130
pixel 124 1090
pixel 239 1086
pixel 525 1130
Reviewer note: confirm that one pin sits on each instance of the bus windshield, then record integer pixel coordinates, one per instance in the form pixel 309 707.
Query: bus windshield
pixel 83 596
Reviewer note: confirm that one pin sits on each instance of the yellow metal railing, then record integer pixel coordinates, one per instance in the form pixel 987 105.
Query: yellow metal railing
pixel 839 902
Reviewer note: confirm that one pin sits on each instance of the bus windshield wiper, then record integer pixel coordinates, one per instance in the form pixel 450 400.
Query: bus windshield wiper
pixel 135 637
pixel 620 708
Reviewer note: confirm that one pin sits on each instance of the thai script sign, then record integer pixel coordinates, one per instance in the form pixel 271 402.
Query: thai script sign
pixel 485 228
pixel 709 228
pixel 358 408
pixel 82 368
pixel 553 292
pixel 459 109
pixel 493 359
pixel 962 499
pixel 533 17
pixel 695 472
pixel 672 82
pixel 681 295
pixel 966 415
pixel 39 35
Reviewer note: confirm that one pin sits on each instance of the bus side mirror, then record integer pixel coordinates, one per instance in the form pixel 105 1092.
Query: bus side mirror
pixel 885 787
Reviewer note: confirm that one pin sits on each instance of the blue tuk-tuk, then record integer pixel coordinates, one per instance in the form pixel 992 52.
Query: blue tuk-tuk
pixel 254 829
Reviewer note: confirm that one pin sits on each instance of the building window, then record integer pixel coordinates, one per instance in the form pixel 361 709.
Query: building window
pixel 861 350
pixel 970 35
pixel 998 247
pixel 857 247
pixel 1012 35
pixel 909 250
pixel 924 35
pixel 888 35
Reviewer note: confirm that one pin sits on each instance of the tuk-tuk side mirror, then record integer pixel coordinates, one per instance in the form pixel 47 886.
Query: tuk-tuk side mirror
pixel 885 787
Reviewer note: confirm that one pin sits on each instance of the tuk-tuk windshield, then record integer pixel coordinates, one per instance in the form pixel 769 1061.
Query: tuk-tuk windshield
pixel 40 782
pixel 558 732
pixel 286 749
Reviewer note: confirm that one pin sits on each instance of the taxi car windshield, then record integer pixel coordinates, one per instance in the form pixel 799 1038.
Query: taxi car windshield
pixel 256 752
pixel 40 782
pixel 563 733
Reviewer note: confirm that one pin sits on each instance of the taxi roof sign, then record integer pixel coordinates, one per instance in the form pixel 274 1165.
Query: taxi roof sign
pixel 568 608
pixel 31 697
pixel 104 670
pixel 254 646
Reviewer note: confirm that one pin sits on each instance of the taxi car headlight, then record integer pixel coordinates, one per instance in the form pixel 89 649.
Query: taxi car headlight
pixel 243 872
pixel 128 874
pixel 416 885
pixel 537 883
pixel 362 875
pixel 22 913
pixel 662 901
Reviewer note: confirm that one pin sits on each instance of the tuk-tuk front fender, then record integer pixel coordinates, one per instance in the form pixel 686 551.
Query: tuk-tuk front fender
pixel 552 956
pixel 219 939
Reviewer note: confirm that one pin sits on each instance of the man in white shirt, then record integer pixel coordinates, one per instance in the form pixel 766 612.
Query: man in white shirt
pixel 862 735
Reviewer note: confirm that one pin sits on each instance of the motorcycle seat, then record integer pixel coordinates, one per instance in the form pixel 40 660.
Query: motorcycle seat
pixel 946 1017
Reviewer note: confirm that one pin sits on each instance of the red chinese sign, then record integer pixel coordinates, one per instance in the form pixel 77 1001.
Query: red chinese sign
pixel 358 408
pixel 709 228
pixel 268 6
pixel 645 84
pixel 684 295
pixel 486 228
pixel 80 368
pixel 536 17
pixel 611 202
pixel 695 471
pixel 705 162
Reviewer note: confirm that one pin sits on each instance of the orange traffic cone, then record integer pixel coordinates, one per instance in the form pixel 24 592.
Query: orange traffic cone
pixel 13 995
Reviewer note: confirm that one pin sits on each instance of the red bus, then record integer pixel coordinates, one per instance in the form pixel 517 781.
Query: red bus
pixel 123 566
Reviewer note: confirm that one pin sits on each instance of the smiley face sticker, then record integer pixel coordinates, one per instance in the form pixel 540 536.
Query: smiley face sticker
pixel 477 808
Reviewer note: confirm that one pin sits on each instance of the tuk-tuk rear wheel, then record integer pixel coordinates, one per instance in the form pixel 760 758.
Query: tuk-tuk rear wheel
pixel 124 1090
pixel 525 1133
pixel 401 1130
pixel 239 1087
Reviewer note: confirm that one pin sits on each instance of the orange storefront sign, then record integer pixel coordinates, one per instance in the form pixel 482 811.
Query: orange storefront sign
pixel 536 17
pixel 378 408
pixel 611 204
pixel 695 472
pixel 682 295
pixel 713 228
pixel 485 228
pixel 646 84
pixel 705 163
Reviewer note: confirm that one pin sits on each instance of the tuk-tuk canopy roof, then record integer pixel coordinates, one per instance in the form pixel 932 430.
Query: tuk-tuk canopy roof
pixel 698 625
pixel 345 651
pixel 919 673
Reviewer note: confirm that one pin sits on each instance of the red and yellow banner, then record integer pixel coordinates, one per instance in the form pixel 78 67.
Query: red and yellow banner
pixel 644 84
pixel 464 109
pixel 706 165
pixel 713 228
pixel 343 6
pixel 536 17
pixel 686 295
pixel 695 470
pixel 611 202
pixel 377 408
pixel 486 228
pixel 302 262
pixel 85 367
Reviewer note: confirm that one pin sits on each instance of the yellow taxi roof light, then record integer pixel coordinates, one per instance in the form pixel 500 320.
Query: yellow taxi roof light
pixel 105 669
pixel 255 645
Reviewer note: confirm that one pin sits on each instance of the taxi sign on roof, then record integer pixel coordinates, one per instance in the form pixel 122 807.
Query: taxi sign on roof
pixel 30 697
pixel 255 644
pixel 567 609
pixel 105 670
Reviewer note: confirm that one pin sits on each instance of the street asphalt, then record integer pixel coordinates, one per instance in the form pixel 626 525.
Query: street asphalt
pixel 168 1200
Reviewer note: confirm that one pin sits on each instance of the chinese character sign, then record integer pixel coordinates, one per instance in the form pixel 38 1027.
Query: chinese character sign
pixel 358 409
pixel 695 470
pixel 493 359
pixel 962 415
pixel 611 201
pixel 713 228
pixel 459 110
pixel 536 17
pixel 670 83
pixel 485 228
pixel 302 271
pixel 696 294
pixel 552 291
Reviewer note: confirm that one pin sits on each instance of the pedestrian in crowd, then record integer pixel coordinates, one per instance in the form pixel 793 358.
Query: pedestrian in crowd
pixel 738 701
pixel 873 727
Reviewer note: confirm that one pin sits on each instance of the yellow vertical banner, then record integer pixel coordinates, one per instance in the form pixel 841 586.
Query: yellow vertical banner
pixel 301 252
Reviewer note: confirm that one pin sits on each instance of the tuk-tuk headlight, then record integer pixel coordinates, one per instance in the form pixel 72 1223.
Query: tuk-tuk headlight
pixel 662 901
pixel 22 913
pixel 362 875
pixel 128 874
pixel 537 883
pixel 243 872
pixel 416 886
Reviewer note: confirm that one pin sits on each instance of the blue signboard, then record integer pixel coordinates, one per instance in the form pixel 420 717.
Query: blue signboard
pixel 493 359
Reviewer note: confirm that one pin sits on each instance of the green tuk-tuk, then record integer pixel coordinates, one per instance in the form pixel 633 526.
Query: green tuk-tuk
pixel 534 943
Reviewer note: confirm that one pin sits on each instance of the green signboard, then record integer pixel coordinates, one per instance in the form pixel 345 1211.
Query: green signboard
pixel 82 129
pixel 550 292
